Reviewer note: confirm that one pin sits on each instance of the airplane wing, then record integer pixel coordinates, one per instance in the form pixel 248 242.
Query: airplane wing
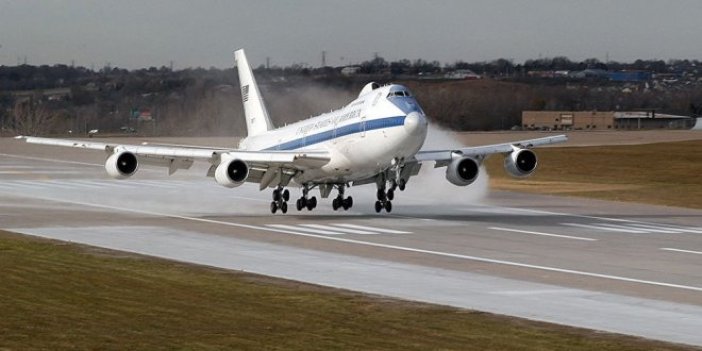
pixel 443 157
pixel 182 157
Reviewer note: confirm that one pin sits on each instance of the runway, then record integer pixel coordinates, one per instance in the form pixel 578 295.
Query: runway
pixel 610 266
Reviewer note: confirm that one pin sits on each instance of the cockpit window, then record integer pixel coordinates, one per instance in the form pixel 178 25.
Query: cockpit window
pixel 400 93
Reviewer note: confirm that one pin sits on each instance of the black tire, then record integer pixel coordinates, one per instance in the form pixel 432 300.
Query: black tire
pixel 350 201
pixel 378 206
pixel 388 206
pixel 335 204
pixel 299 204
pixel 311 203
pixel 284 207
pixel 286 195
pixel 391 194
pixel 402 185
pixel 276 195
pixel 381 194
pixel 274 207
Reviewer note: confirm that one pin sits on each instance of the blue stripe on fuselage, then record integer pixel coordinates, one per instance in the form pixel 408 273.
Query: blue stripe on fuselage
pixel 354 128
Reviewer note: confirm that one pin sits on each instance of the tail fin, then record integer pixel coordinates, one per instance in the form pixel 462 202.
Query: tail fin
pixel 257 120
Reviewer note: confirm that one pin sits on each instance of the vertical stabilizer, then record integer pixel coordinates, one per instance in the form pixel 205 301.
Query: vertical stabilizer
pixel 257 120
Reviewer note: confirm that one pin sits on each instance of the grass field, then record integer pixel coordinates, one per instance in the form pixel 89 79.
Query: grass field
pixel 58 296
pixel 665 173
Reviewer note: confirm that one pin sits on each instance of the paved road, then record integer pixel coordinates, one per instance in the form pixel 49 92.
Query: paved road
pixel 611 266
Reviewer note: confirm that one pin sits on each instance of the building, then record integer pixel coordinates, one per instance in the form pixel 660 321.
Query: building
pixel 602 120
pixel 567 120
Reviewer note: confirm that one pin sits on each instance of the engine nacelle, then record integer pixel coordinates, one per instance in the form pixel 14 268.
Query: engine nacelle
pixel 521 163
pixel 231 173
pixel 462 171
pixel 121 165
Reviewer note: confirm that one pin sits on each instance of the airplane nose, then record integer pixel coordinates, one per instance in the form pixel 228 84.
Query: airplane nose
pixel 415 123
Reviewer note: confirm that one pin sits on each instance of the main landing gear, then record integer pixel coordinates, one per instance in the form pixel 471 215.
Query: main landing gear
pixel 304 201
pixel 385 197
pixel 280 200
pixel 340 201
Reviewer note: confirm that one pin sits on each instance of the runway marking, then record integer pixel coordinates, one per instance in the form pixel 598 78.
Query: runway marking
pixel 684 251
pixel 338 229
pixel 637 228
pixel 363 227
pixel 387 246
pixel 598 227
pixel 634 222
pixel 543 234
pixel 292 227
pixel 40 172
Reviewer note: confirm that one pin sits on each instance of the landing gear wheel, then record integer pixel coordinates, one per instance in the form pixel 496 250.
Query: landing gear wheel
pixel 381 194
pixel 311 203
pixel 349 202
pixel 274 207
pixel 276 195
pixel 402 184
pixel 284 207
pixel 388 206
pixel 300 204
pixel 336 203
pixel 378 206
pixel 286 195
pixel 391 194
pixel 346 204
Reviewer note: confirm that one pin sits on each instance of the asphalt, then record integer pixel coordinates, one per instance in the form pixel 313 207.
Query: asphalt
pixel 617 267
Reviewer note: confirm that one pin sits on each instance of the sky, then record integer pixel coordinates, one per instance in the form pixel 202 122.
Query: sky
pixel 204 33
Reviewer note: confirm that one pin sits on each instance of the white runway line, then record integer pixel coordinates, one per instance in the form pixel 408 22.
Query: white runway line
pixel 343 230
pixel 88 184
pixel 542 234
pixel 673 228
pixel 310 230
pixel 604 228
pixel 683 251
pixel 29 184
pixel 375 229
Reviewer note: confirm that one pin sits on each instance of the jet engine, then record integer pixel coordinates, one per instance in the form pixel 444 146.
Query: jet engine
pixel 521 163
pixel 121 164
pixel 462 171
pixel 231 173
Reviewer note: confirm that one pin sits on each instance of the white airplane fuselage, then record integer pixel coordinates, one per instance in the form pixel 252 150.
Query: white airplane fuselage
pixel 379 128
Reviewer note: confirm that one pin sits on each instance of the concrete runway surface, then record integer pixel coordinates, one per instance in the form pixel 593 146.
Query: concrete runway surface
pixel 624 268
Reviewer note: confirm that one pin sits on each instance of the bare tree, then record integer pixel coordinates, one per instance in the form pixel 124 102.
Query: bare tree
pixel 32 118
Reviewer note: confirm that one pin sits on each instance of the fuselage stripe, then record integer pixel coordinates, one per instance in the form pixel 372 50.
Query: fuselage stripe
pixel 358 127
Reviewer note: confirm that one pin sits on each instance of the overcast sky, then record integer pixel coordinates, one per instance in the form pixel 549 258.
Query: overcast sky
pixel 143 33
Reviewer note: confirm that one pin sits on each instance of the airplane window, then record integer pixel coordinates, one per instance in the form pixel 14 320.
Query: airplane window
pixel 407 94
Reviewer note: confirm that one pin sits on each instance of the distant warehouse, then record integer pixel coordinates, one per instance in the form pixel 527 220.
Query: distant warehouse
pixel 602 120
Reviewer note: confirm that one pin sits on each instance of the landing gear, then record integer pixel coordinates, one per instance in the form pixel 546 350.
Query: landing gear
pixel 340 201
pixel 280 200
pixel 304 201
pixel 384 200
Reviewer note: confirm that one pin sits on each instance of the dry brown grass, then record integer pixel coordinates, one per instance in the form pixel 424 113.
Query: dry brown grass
pixel 664 173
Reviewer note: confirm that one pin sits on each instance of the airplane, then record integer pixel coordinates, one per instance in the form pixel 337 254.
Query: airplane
pixel 375 139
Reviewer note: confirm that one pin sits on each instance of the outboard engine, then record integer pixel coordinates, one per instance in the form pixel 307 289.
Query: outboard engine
pixel 121 164
pixel 521 162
